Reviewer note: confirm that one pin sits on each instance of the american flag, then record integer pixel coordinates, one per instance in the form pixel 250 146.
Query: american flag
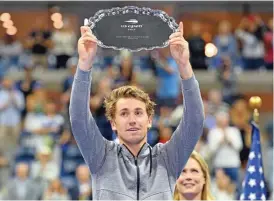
pixel 254 183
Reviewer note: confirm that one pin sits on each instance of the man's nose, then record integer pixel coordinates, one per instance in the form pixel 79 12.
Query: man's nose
pixel 132 119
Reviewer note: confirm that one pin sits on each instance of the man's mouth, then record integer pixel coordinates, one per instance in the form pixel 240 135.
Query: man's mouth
pixel 132 129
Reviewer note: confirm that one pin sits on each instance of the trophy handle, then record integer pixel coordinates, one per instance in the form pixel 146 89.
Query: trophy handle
pixel 86 23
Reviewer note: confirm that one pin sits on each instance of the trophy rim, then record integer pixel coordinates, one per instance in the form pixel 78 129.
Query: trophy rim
pixel 133 9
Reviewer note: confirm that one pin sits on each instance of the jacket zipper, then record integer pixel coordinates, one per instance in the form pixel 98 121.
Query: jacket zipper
pixel 138 170
pixel 138 178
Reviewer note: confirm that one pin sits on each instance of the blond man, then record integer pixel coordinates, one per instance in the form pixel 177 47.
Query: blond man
pixel 131 169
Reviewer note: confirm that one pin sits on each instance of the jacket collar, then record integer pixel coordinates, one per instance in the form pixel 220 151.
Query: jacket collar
pixel 143 152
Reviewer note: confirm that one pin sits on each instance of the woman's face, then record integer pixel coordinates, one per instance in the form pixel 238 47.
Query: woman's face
pixel 192 180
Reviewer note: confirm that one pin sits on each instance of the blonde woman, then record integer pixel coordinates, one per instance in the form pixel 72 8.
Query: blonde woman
pixel 194 181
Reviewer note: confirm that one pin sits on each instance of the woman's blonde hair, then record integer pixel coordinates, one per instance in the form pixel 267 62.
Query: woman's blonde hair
pixel 127 92
pixel 206 193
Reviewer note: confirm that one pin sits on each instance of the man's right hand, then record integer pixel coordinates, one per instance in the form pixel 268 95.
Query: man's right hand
pixel 87 47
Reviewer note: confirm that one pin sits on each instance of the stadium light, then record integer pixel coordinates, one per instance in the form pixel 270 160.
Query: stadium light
pixel 7 24
pixel 58 25
pixel 56 17
pixel 210 50
pixel 11 30
pixel 5 17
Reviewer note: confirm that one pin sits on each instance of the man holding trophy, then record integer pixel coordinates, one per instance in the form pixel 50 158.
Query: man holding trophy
pixel 132 169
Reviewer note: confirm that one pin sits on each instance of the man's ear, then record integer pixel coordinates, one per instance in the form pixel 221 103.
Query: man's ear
pixel 113 125
pixel 150 118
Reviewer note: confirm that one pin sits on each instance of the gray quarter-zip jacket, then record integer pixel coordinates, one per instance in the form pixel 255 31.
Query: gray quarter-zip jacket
pixel 116 173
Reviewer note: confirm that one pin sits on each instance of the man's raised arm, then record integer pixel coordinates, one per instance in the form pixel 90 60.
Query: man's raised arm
pixel 88 137
pixel 185 137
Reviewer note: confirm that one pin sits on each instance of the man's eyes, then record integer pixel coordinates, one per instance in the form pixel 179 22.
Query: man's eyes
pixel 123 114
pixel 137 113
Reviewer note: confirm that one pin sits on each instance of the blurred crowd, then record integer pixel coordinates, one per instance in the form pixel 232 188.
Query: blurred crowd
pixel 249 46
pixel 39 158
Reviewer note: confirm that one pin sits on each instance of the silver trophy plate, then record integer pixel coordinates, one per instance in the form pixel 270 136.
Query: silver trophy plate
pixel 132 28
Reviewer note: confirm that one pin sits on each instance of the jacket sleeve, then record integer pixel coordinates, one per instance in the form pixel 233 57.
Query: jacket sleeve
pixel 87 135
pixel 189 130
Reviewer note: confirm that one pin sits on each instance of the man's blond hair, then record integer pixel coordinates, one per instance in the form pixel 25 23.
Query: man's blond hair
pixel 127 92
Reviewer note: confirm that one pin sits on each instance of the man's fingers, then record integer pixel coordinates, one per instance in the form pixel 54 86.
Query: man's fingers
pixel 89 34
pixel 88 39
pixel 181 28
pixel 176 34
pixel 178 39
pixel 175 39
pixel 182 43
pixel 177 43
pixel 84 29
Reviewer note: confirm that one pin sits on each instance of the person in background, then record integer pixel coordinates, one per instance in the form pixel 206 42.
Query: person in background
pixel 228 79
pixel 226 44
pixel 56 191
pixel 21 187
pixel 126 74
pixel 268 44
pixel 71 65
pixel 194 180
pixel 168 81
pixel 39 42
pixel 82 190
pixel 10 51
pixel 215 102
pixel 240 117
pixel 64 44
pixel 11 105
pixel 222 186
pixel 225 142
pixel 4 170
pixel 44 168
pixel 97 108
pixel 252 47
pixel 27 85
pixel 197 47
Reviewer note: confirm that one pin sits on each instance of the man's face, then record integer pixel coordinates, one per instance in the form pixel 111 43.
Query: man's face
pixel 131 121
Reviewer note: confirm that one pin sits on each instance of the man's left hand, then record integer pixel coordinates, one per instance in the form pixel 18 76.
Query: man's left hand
pixel 180 52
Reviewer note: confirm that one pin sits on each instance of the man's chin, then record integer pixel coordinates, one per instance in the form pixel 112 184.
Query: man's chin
pixel 134 139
